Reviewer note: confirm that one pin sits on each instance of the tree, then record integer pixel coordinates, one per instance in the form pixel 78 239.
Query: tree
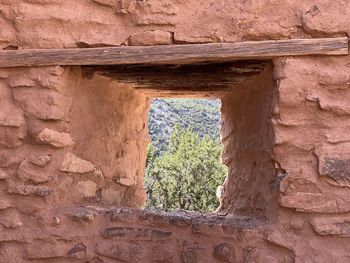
pixel 186 175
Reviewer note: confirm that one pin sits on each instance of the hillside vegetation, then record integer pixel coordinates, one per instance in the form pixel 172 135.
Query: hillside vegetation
pixel 202 115
pixel 187 175
pixel 183 167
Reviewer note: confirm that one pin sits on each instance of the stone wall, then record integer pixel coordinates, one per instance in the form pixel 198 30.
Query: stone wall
pixel 72 145
pixel 311 145
pixel 84 23
pixel 248 139
pixel 65 140
pixel 54 122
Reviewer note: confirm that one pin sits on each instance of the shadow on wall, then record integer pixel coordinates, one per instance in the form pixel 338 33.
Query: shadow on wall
pixel 247 135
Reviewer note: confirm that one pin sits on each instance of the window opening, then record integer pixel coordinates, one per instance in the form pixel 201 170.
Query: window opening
pixel 183 168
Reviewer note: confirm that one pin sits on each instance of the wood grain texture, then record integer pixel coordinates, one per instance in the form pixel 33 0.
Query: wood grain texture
pixel 206 78
pixel 174 54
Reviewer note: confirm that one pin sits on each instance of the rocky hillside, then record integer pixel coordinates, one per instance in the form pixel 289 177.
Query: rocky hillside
pixel 202 115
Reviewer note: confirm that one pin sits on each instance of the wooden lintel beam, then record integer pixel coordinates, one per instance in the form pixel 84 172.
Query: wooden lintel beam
pixel 200 77
pixel 174 54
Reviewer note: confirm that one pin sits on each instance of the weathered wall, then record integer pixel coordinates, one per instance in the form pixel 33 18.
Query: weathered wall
pixel 54 120
pixel 66 139
pixel 311 143
pixel 248 138
pixel 65 23
pixel 72 146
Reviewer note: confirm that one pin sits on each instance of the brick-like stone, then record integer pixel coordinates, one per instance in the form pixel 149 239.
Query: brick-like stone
pixel 11 137
pixel 310 202
pixel 179 220
pixel 11 116
pixel 78 251
pixel 86 189
pixel 297 222
pixel 145 234
pixel 38 77
pixel 24 81
pixel 334 163
pixel 123 215
pixel 84 215
pixel 43 104
pixel 55 138
pixel 192 39
pixel 112 196
pixel 10 219
pixel 36 190
pixel 149 38
pixel 74 164
pixel 10 160
pixel 338 134
pixel 40 160
pixel 125 181
pixel 338 226
pixel 152 217
pixel 337 106
pixel 338 170
pixel 317 19
pixel 295 185
pixel 29 171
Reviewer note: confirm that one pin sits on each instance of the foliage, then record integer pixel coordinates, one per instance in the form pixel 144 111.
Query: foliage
pixel 186 175
pixel 202 115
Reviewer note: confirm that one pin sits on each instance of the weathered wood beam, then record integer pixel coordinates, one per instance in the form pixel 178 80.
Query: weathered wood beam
pixel 174 54
pixel 208 77
pixel 187 93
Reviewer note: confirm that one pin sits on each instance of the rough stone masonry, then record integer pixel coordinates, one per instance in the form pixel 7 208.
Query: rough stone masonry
pixel 73 146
